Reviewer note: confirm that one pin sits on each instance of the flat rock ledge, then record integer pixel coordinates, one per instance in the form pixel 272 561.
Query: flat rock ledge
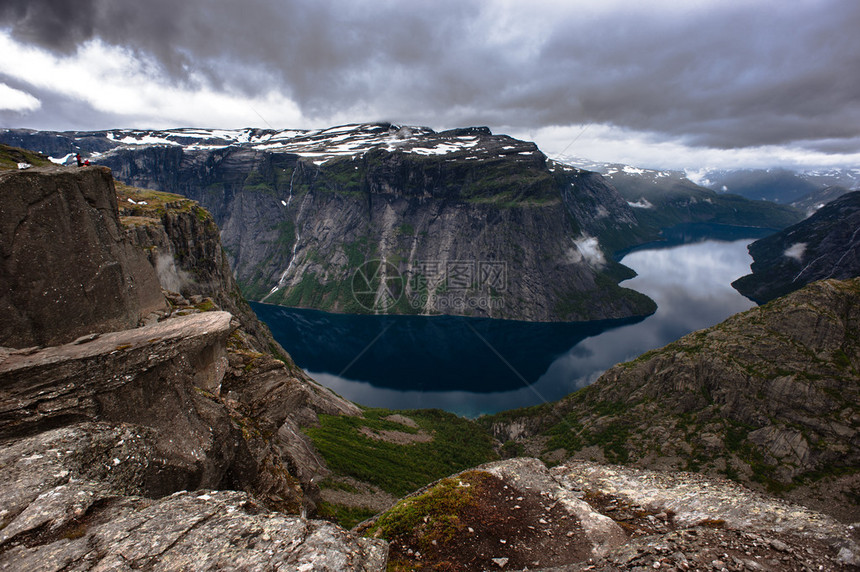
pixel 44 386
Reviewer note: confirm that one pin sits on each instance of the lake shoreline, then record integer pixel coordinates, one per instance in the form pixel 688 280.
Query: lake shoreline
pixel 473 366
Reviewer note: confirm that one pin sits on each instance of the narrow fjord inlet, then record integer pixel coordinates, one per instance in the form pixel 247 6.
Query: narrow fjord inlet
pixel 408 362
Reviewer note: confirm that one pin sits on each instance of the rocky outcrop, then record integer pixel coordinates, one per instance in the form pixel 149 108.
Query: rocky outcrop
pixel 139 421
pixel 519 515
pixel 114 375
pixel 769 397
pixel 165 377
pixel 101 436
pixel 67 269
pixel 76 498
pixel 183 244
pixel 826 245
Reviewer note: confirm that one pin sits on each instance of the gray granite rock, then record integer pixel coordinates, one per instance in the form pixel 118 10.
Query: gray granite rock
pixel 202 530
pixel 128 375
pixel 67 268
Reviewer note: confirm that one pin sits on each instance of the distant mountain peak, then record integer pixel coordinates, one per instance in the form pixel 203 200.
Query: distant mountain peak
pixel 320 145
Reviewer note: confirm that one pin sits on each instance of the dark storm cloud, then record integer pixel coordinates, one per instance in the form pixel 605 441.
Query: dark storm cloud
pixel 724 74
pixel 59 26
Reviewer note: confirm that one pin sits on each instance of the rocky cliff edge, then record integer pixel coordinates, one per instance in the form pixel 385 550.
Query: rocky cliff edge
pixel 152 394
pixel 520 515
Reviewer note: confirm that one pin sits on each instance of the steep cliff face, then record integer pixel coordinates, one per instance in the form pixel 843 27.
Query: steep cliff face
pixel 466 222
pixel 183 245
pixel 769 397
pixel 826 245
pixel 67 269
pixel 488 229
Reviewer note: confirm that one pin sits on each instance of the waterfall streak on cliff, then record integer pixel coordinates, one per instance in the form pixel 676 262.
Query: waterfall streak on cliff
pixel 283 277
pixel 290 198
pixel 850 248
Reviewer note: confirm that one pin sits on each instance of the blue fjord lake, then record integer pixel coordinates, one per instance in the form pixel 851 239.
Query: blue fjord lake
pixel 473 366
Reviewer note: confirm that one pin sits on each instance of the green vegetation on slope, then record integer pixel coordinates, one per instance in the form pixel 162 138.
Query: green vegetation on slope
pixel 149 204
pixel 396 468
pixel 11 156
pixel 434 522
pixel 680 201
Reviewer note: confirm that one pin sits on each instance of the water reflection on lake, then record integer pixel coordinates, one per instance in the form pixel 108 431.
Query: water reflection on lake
pixel 473 366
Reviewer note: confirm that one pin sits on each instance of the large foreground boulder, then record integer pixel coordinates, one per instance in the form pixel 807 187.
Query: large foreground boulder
pixel 520 515
pixel 66 268
pixel 72 500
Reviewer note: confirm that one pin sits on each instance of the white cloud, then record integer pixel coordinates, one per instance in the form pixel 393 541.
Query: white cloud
pixel 118 81
pixel 641 204
pixel 589 247
pixel 17 100
pixel 607 143
pixel 796 251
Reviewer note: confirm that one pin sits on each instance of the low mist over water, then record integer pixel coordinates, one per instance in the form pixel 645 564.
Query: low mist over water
pixel 474 366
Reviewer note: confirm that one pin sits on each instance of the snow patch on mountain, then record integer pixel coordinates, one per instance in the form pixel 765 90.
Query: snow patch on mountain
pixel 61 160
pixel 319 144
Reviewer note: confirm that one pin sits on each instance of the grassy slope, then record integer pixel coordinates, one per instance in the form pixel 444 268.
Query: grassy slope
pixel 709 401
pixel 398 469
pixel 11 156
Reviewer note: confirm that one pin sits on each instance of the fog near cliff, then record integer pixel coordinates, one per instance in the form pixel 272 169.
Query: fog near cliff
pixel 169 275
pixel 663 84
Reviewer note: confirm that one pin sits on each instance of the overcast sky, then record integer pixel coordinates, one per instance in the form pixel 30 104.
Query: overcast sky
pixel 663 83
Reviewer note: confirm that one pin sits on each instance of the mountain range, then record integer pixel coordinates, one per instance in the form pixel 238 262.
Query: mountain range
pixel 380 218
pixel 806 189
